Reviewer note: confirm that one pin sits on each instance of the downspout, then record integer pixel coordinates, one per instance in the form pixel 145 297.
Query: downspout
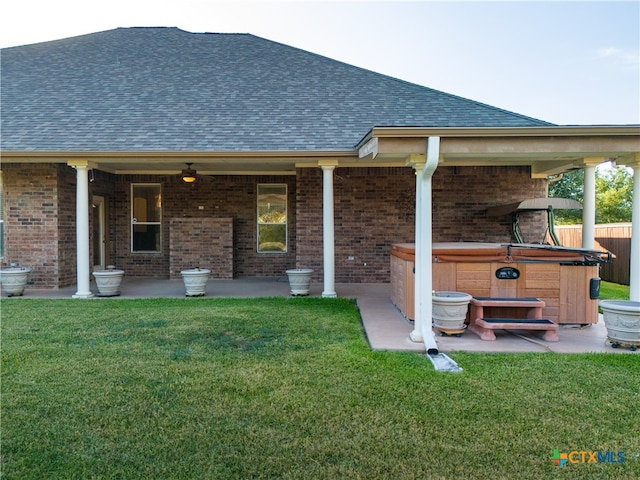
pixel 424 246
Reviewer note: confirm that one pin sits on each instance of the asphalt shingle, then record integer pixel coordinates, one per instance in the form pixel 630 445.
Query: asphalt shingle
pixel 164 89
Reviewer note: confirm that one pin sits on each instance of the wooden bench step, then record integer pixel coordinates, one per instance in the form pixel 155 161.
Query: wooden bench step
pixel 525 302
pixel 484 327
pixel 520 321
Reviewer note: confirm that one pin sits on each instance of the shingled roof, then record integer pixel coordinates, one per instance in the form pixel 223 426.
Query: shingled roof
pixel 164 89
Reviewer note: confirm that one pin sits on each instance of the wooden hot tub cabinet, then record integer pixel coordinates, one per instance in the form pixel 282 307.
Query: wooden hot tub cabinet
pixel 561 277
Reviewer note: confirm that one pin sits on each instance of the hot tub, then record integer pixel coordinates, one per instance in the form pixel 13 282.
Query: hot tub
pixel 566 279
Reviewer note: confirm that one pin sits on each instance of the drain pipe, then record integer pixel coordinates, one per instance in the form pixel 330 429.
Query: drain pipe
pixel 424 267
pixel 424 244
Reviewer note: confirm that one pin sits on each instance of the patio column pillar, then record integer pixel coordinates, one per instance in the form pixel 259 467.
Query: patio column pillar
pixel 82 228
pixel 328 239
pixel 589 202
pixel 634 263
pixel 425 167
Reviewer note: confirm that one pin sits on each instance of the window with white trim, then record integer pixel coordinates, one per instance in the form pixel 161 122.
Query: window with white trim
pixel 272 218
pixel 146 217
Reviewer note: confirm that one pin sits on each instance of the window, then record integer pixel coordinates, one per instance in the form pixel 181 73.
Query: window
pixel 146 217
pixel 272 218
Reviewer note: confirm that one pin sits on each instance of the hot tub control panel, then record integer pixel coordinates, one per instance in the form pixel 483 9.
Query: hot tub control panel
pixel 507 273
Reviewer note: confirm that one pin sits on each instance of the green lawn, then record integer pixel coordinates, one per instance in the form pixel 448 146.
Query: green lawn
pixel 610 290
pixel 288 388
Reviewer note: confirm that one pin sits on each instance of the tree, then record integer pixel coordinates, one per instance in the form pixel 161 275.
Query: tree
pixel 614 188
pixel 571 185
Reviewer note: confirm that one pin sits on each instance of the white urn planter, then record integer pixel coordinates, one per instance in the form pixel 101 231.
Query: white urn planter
pixel 622 319
pixel 450 312
pixel 108 281
pixel 299 280
pixel 195 281
pixel 14 280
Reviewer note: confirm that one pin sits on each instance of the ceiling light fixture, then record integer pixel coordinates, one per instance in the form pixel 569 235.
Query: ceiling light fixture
pixel 188 174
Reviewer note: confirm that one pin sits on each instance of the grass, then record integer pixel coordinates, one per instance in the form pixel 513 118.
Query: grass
pixel 288 388
pixel 614 291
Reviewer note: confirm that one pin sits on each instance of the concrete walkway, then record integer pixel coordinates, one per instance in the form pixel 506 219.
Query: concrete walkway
pixel 385 327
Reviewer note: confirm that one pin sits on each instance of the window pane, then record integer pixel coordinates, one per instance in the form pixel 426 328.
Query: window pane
pixel 272 204
pixel 147 204
pixel 146 238
pixel 272 238
pixel 272 218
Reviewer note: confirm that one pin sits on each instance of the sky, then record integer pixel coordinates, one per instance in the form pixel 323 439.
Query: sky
pixel 569 63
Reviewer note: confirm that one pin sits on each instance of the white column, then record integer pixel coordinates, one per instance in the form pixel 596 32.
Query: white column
pixel 328 238
pixel 634 274
pixel 424 247
pixel 589 203
pixel 82 228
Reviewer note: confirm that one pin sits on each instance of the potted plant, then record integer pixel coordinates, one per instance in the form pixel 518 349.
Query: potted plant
pixel 14 279
pixel 195 281
pixel 450 312
pixel 299 280
pixel 622 320
pixel 108 281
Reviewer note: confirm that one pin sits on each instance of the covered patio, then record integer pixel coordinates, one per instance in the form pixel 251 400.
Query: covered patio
pixel 385 327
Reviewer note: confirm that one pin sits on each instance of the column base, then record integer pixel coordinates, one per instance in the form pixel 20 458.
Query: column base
pixel 83 295
pixel 416 337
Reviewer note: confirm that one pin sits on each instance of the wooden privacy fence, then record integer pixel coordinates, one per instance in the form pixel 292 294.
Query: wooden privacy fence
pixel 615 237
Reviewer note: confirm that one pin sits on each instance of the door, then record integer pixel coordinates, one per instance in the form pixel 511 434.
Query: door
pixel 99 234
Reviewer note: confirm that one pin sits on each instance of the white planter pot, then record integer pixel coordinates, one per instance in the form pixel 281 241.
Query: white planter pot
pixel 195 281
pixel 108 281
pixel 299 280
pixel 450 311
pixel 14 280
pixel 622 319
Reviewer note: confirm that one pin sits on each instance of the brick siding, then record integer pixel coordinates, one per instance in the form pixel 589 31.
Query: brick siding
pixel 374 208
pixel 201 242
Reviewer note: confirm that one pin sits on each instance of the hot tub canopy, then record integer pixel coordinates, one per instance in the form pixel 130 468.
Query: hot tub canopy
pixel 545 203
pixel 548 204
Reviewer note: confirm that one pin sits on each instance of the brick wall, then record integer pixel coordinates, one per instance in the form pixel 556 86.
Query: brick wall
pixel 461 196
pixel 374 207
pixel 201 242
pixel 67 249
pixel 224 196
pixel 31 220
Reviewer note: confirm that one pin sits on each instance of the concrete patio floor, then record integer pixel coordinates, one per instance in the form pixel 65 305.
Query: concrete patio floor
pixel 385 327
